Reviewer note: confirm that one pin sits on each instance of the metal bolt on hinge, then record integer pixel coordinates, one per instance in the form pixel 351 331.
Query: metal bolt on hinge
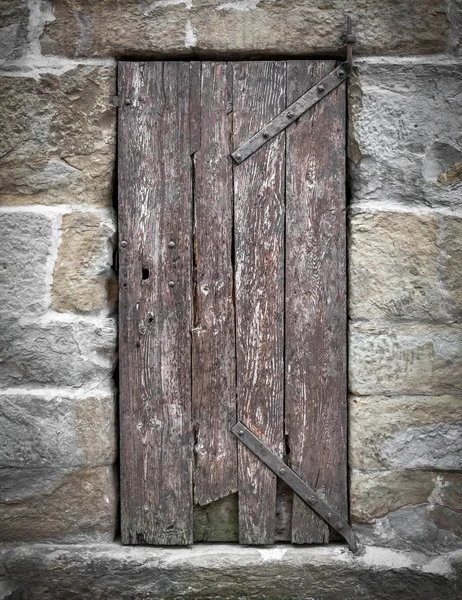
pixel 341 74
pixel 241 432
pixel 290 115
pixel 238 156
pixel 282 471
pixel 265 135
pixel 321 89
pixel 339 525
pixel 313 499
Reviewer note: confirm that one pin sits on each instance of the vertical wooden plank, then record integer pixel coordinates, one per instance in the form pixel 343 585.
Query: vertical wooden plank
pixel 258 96
pixel 155 303
pixel 315 385
pixel 213 366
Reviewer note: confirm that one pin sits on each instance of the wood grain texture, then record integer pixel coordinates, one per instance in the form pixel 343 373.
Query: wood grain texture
pixel 315 319
pixel 155 345
pixel 258 96
pixel 213 335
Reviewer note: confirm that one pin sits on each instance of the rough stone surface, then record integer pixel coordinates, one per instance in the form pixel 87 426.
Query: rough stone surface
pixel 376 493
pixel 57 504
pixel 83 278
pixel 49 431
pixel 74 353
pixel 395 267
pixel 452 256
pixel 10 591
pixel 158 27
pixel 225 572
pixel 405 359
pixel 25 240
pixel 428 528
pixel 14 17
pixel 405 124
pixel 58 142
pixel 410 432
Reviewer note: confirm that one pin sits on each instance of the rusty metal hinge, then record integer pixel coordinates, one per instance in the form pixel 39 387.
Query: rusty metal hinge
pixel 300 487
pixel 300 106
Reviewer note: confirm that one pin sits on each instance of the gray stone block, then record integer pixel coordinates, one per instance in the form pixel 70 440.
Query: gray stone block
pixel 25 240
pixel 425 528
pixel 56 431
pixel 405 359
pixel 14 20
pixel 406 122
pixel 70 353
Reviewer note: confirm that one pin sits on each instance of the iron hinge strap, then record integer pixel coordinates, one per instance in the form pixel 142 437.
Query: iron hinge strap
pixel 311 97
pixel 300 487
pixel 293 112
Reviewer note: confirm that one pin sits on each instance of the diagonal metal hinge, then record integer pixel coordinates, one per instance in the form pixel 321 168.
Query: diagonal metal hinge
pixel 300 487
pixel 300 106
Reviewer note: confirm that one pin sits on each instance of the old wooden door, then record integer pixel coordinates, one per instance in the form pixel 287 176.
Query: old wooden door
pixel 232 296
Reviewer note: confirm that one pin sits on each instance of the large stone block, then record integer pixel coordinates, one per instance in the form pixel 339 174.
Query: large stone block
pixel 405 359
pixel 160 28
pixel 452 261
pixel 429 528
pixel 25 240
pixel 377 493
pixel 220 571
pixel 405 124
pixel 56 431
pixel 57 505
pixel 408 432
pixel 83 278
pixel 395 267
pixel 14 20
pixel 58 142
pixel 75 353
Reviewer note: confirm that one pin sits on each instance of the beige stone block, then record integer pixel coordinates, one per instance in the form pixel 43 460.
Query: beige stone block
pixel 374 494
pixel 57 505
pixel 58 138
pixel 452 241
pixel 158 28
pixel 83 279
pixel 56 431
pixel 405 432
pixel 405 359
pixel 394 267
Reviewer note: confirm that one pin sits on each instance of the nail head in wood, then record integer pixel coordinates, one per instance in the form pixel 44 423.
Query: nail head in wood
pixel 171 244
pixel 123 243
pixel 171 284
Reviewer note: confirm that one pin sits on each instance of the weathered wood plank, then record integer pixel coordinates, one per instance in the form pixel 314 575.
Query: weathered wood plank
pixel 213 335
pixel 155 346
pixel 315 376
pixel 258 96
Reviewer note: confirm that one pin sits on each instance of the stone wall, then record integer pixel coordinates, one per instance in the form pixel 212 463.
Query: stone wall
pixel 58 441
